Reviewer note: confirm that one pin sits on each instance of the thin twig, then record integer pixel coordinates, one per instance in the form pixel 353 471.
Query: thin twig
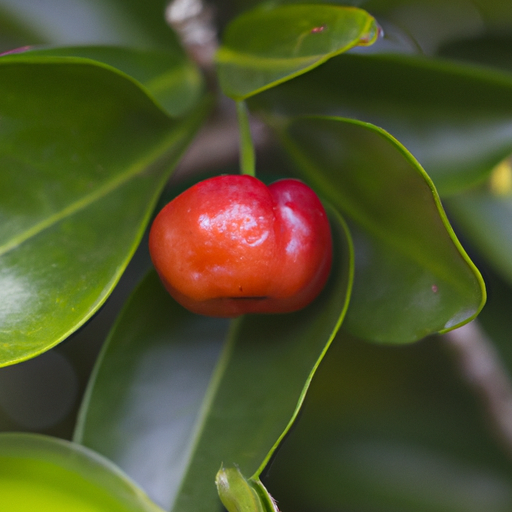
pixel 217 144
pixel 483 369
pixel 193 22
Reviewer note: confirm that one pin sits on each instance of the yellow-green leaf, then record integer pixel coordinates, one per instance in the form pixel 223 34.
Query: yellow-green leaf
pixel 265 47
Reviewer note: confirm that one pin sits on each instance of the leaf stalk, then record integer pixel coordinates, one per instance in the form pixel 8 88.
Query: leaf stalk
pixel 247 153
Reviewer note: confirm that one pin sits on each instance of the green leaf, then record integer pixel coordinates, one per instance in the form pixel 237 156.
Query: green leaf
pixel 455 119
pixel 166 75
pixel 410 26
pixel 84 154
pixel 155 408
pixel 144 397
pixel 412 277
pixel 267 46
pixel 51 475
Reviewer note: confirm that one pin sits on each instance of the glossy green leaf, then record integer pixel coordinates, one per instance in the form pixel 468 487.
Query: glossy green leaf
pixel 166 75
pixel 145 396
pixel 455 119
pixel 267 46
pixel 412 277
pixel 84 153
pixel 411 26
pixel 498 12
pixel 392 429
pixel 51 475
pixel 155 408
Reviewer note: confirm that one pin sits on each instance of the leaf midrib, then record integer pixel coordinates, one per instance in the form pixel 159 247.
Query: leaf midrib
pixel 101 192
pixel 208 401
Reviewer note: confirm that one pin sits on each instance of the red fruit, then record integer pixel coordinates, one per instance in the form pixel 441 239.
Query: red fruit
pixel 231 245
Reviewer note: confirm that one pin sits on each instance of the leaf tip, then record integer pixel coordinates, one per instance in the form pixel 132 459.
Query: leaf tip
pixel 372 33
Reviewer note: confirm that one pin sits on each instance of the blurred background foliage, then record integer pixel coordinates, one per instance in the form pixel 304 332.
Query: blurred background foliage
pixel 407 428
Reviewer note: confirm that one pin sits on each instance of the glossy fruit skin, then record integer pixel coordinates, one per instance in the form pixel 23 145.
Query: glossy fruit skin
pixel 230 245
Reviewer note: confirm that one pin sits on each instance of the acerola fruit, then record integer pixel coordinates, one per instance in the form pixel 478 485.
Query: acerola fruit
pixel 230 245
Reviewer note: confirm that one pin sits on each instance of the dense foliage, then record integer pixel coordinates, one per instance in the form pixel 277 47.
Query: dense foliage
pixel 398 114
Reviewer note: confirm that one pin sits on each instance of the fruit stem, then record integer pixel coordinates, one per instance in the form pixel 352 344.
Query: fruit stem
pixel 247 154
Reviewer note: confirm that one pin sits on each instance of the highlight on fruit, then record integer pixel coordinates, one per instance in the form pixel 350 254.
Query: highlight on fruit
pixel 231 245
